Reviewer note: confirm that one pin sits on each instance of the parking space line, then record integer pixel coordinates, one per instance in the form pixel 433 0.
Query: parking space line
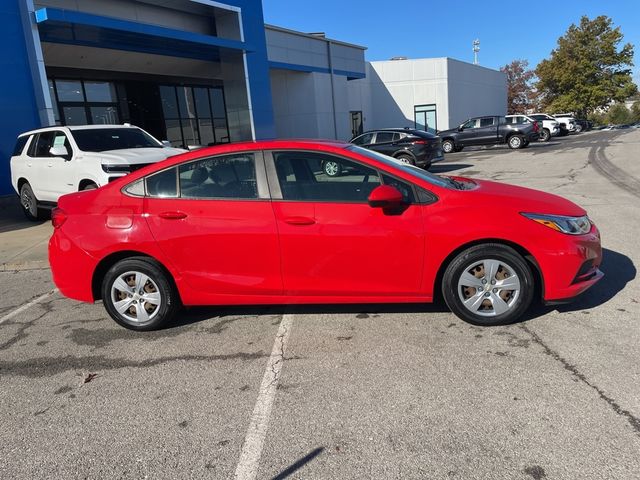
pixel 247 468
pixel 26 306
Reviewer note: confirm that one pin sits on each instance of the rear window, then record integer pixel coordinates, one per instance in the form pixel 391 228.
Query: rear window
pixel 20 143
pixel 105 139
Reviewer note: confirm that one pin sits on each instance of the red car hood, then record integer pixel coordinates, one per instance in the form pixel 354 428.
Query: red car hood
pixel 512 197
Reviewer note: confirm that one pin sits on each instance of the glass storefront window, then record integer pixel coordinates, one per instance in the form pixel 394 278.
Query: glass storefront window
pixel 174 132
pixel 217 103
pixel 54 102
pixel 185 102
pixel 70 90
pixel 104 115
pixel 205 126
pixel 202 102
pixel 100 92
pixel 169 102
pixel 74 115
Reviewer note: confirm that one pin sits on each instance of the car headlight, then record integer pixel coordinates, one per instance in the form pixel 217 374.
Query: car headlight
pixel 561 223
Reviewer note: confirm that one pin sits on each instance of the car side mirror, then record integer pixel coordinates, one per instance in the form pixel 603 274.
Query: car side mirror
pixel 460 128
pixel 59 151
pixel 385 196
pixel 166 143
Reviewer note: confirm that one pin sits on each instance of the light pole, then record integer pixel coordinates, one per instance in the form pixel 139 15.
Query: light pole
pixel 476 49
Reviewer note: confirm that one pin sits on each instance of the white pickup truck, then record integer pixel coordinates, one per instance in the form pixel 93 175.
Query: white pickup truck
pixel 50 162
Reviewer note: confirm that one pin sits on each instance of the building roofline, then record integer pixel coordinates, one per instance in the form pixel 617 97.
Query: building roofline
pixel 435 58
pixel 315 37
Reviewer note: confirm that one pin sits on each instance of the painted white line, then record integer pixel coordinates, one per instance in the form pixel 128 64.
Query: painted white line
pixel 26 305
pixel 247 468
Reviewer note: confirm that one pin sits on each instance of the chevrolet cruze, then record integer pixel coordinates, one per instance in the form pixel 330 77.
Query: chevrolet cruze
pixel 263 223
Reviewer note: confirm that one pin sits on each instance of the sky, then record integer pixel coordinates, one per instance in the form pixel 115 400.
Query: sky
pixel 507 30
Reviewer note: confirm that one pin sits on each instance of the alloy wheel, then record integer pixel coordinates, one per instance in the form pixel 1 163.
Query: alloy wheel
pixel 136 297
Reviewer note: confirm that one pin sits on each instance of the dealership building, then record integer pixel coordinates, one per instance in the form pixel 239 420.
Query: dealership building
pixel 201 72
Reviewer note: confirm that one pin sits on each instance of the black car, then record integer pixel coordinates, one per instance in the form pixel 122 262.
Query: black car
pixel 416 147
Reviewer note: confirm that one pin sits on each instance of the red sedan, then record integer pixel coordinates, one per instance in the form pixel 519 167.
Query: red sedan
pixel 262 223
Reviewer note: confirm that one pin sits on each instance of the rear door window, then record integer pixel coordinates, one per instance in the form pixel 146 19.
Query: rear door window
pixel 229 176
pixel 384 137
pixel 486 122
pixel 163 184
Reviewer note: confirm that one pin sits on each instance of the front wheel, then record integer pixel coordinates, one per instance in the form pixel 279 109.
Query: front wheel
pixel 138 295
pixel 488 285
pixel 515 142
pixel 448 146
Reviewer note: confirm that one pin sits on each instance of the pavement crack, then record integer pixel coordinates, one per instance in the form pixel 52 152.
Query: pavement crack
pixel 48 366
pixel 615 406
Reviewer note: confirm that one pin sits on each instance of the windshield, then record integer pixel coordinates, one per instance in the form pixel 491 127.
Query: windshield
pixel 104 139
pixel 417 172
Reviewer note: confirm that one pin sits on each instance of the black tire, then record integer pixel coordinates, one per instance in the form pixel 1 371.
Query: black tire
pixel 458 149
pixel 578 128
pixel 515 142
pixel 448 146
pixel 525 144
pixel 89 186
pixel 332 169
pixel 403 157
pixel 29 204
pixel 545 136
pixel 487 300
pixel 132 272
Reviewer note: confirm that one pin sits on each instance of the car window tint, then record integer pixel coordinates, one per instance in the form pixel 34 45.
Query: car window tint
pixel 315 176
pixel 363 139
pixel 162 184
pixel 405 188
pixel 20 143
pixel 105 139
pixel 229 176
pixel 384 137
pixel 42 144
pixel 486 122
pixel 470 123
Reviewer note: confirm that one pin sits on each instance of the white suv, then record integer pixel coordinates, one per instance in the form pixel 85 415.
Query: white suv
pixel 550 126
pixel 50 162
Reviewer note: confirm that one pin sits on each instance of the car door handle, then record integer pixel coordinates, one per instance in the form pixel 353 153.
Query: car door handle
pixel 173 215
pixel 299 221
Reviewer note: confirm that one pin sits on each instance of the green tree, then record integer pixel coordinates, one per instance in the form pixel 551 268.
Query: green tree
pixel 618 114
pixel 635 111
pixel 588 69
pixel 521 94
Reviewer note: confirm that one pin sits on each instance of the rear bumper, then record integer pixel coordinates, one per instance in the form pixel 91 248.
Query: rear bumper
pixel 71 267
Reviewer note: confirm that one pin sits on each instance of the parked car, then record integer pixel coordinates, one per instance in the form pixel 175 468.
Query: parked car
pixel 50 162
pixel 261 223
pixel 491 130
pixel 550 126
pixel 520 118
pixel 568 121
pixel 583 125
pixel 416 147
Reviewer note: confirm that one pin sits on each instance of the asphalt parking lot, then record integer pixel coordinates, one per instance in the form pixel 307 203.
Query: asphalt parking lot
pixel 364 391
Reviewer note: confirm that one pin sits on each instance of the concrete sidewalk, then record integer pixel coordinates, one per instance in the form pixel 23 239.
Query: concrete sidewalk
pixel 23 244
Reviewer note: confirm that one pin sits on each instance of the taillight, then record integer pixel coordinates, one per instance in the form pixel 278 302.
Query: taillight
pixel 419 142
pixel 536 127
pixel 58 217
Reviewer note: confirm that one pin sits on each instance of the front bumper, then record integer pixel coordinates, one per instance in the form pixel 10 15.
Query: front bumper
pixel 571 267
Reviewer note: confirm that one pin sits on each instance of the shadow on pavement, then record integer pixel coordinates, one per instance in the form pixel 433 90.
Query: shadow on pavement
pixel 11 216
pixel 299 464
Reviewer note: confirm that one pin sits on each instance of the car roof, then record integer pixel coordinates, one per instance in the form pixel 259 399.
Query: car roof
pixel 76 127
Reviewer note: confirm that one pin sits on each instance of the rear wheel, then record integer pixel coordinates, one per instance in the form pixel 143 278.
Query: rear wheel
pixel 29 204
pixel 488 285
pixel 138 295
pixel 404 158
pixel 448 146
pixel 545 136
pixel 515 142
pixel 89 186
